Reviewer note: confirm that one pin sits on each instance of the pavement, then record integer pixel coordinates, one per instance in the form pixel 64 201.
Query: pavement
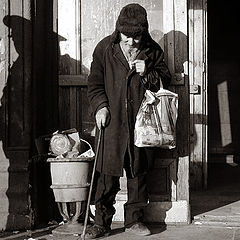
pixel 161 232
pixel 215 213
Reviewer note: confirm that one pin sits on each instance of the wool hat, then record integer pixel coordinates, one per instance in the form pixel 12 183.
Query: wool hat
pixel 132 20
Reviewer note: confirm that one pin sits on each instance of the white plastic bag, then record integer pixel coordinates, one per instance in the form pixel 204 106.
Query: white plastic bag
pixel 156 120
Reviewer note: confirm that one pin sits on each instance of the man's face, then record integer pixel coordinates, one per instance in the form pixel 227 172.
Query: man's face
pixel 131 42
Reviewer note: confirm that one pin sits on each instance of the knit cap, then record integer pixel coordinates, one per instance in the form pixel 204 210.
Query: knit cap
pixel 132 20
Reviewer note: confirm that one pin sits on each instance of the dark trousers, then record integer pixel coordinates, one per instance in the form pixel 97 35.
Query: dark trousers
pixel 108 187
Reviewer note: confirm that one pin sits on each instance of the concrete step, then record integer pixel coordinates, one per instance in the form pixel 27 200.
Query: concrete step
pixel 216 223
pixel 225 215
pixel 214 218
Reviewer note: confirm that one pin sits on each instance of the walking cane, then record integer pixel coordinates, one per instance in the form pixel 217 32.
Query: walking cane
pixel 91 186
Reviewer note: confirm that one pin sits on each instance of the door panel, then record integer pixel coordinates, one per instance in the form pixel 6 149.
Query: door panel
pixel 74 109
pixel 162 181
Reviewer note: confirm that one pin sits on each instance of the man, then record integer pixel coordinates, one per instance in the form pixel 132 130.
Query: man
pixel 124 65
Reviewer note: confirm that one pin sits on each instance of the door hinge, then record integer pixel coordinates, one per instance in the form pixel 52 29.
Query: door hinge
pixel 204 67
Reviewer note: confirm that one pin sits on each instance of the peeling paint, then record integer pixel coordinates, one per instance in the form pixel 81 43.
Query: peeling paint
pixel 2 64
pixel 2 46
pixel 2 55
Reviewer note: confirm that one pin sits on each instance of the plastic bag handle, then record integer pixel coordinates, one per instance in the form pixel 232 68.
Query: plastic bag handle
pixel 160 83
pixel 86 143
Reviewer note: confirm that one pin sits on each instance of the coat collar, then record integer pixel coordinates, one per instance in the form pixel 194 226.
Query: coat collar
pixel 143 55
pixel 117 52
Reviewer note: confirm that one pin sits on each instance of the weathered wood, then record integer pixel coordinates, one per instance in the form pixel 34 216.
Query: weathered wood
pixel 69 28
pixel 73 107
pixel 168 28
pixel 4 52
pixel 73 80
pixel 70 78
pixel 27 71
pixel 63 101
pixel 87 118
pixel 183 170
pixel 4 175
pixel 159 181
pixel 162 180
pixel 205 95
pixel 181 46
pixel 15 112
pixel 198 104
pixel 181 88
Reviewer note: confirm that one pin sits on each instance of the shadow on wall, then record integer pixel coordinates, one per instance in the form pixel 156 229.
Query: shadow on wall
pixel 164 176
pixel 186 140
pixel 29 109
pixel 16 122
pixel 178 66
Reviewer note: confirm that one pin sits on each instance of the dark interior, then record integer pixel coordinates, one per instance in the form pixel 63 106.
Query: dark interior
pixel 223 110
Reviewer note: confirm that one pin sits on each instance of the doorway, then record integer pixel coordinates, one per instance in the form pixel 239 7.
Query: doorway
pixel 221 200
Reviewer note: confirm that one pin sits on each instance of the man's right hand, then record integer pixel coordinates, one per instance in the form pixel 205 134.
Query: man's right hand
pixel 102 118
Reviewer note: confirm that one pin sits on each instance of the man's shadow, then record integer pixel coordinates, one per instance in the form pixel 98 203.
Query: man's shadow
pixel 15 124
pixel 29 110
pixel 25 114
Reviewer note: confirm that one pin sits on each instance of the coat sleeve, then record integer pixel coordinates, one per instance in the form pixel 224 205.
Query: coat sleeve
pixel 157 73
pixel 96 89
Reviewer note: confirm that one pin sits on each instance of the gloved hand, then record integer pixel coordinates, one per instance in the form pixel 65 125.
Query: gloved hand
pixel 102 118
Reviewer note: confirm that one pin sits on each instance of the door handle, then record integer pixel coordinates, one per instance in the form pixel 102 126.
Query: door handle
pixel 194 89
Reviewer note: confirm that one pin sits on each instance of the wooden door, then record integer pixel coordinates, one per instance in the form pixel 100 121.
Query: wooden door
pixel 73 105
pixel 81 24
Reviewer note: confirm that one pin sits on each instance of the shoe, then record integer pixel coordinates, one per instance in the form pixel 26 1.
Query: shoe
pixel 97 231
pixel 139 229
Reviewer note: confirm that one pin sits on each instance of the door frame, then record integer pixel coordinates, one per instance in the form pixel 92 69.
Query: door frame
pixel 198 83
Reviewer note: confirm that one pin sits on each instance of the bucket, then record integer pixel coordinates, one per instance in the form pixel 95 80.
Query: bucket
pixel 70 178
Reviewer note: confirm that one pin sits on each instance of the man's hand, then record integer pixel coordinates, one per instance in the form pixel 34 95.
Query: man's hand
pixel 102 118
pixel 140 66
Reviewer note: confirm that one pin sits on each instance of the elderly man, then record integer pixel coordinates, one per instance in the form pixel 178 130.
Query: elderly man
pixel 124 65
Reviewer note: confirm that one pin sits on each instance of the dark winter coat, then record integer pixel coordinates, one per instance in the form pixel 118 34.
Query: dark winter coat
pixel 112 84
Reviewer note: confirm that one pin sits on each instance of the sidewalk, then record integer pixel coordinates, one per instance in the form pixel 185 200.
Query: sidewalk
pixel 173 232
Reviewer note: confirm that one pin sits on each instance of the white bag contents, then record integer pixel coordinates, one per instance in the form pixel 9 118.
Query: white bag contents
pixel 156 120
